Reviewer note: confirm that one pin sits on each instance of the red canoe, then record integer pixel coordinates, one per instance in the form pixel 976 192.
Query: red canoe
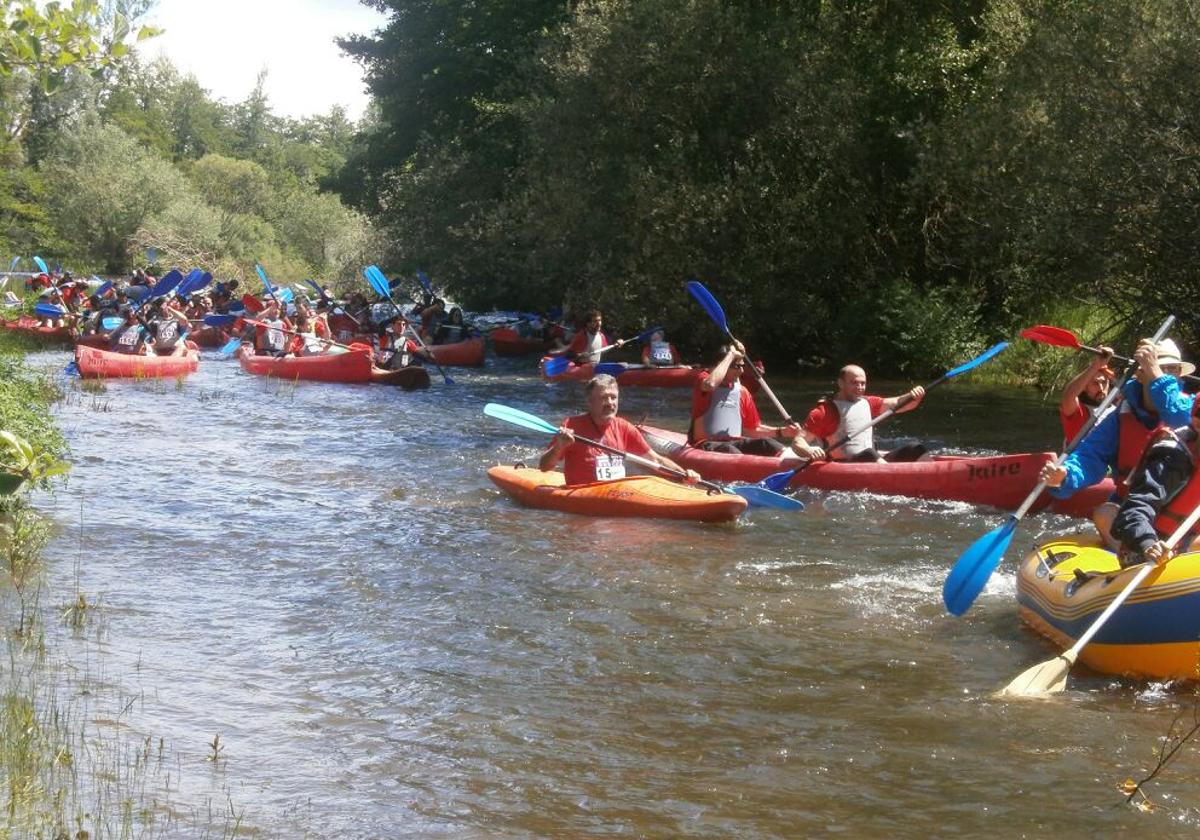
pixel 1001 481
pixel 101 340
pixel 467 353
pixel 33 328
pixel 95 363
pixel 352 367
pixel 209 337
pixel 508 342
pixel 643 376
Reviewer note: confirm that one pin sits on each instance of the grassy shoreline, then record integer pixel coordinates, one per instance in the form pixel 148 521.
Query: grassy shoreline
pixel 73 763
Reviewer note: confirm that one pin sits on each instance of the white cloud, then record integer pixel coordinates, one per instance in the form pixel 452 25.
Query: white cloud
pixel 225 43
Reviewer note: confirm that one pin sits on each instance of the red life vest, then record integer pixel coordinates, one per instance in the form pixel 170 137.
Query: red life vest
pixel 1134 438
pixel 1186 500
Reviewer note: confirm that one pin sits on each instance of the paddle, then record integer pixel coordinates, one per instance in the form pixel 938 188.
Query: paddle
pixel 13 265
pixel 49 310
pixel 780 480
pixel 714 310
pixel 235 343
pixel 262 275
pixel 252 304
pixel 111 322
pixel 1059 337
pixel 217 320
pixel 1050 677
pixel 425 284
pixel 380 284
pixel 751 493
pixel 41 264
pixel 559 364
pixel 103 289
pixel 974 566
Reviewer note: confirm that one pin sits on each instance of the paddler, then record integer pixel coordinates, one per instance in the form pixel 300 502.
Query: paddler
pixel 1151 400
pixel 584 464
pixel 1163 490
pixel 659 352
pixel 396 350
pixel 585 347
pixel 725 418
pixel 848 413
pixel 167 327
pixel 130 337
pixel 1084 393
pixel 270 336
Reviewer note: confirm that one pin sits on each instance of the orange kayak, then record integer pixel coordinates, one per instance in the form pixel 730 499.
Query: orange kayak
pixel 508 342
pixel 467 353
pixel 34 329
pixel 353 367
pixel 95 363
pixel 644 495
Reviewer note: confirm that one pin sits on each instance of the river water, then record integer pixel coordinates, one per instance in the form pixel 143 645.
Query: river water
pixel 323 576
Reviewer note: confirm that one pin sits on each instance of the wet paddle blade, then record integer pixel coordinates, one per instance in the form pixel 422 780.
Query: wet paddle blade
pixel 262 275
pixel 41 264
pixel 556 366
pixel 519 418
pixel 72 369
pixel 976 362
pixel 48 310
pixel 111 322
pixel 610 368
pixel 762 497
pixel 1054 336
pixel 252 304
pixel 778 482
pixel 706 300
pixel 376 279
pixel 973 568
pixel 425 284
pixel 230 347
pixel 1049 677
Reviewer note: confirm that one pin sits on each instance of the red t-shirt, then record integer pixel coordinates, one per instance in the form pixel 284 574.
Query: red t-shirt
pixel 823 420
pixel 1072 423
pixel 702 399
pixel 583 464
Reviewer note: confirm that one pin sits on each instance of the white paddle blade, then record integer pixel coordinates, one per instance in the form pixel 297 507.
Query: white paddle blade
pixel 1049 677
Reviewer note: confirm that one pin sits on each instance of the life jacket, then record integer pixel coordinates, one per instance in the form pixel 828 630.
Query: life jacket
pixel 661 354
pixel 271 335
pixel 166 334
pixel 129 338
pixel 723 419
pixel 1187 499
pixel 595 342
pixel 1133 439
pixel 854 422
pixel 343 327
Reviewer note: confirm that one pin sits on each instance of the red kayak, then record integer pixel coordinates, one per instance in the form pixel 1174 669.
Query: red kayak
pixel 34 329
pixel 209 337
pixel 101 340
pixel 467 353
pixel 1001 481
pixel 101 364
pixel 643 376
pixel 352 367
pixel 508 342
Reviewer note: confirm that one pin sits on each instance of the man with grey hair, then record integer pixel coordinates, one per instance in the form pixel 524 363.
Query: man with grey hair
pixel 585 464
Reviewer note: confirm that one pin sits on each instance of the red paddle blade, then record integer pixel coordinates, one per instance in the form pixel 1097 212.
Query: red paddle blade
pixel 1054 336
pixel 252 303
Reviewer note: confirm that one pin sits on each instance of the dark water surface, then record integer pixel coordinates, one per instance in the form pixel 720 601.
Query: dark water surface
pixel 324 576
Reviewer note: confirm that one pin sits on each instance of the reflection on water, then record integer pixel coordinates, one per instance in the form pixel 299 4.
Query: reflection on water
pixel 323 575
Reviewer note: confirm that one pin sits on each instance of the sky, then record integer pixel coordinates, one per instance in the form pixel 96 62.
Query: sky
pixel 225 43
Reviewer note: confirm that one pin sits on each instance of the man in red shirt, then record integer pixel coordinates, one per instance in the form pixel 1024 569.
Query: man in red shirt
pixel 585 464
pixel 849 412
pixel 586 345
pixel 725 418
pixel 1084 393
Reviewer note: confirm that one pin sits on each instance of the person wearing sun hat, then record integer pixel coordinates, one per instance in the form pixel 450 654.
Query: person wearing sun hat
pixel 1152 400
pixel 1163 490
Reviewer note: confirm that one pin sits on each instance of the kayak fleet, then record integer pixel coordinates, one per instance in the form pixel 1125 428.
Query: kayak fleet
pixel 1134 619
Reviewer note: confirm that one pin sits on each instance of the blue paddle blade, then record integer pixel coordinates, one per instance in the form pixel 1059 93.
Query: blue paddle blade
pixel 138 293
pixel 48 310
pixel 519 418
pixel 164 286
pixel 13 265
pixel 976 362
pixel 762 497
pixel 111 322
pixel 230 347
pixel 41 264
pixel 642 336
pixel 425 284
pixel 778 482
pixel 374 275
pixel 709 303
pixel 219 320
pixel 286 295
pixel 235 306
pixel 72 369
pixel 972 570
pixel 610 368
pixel 262 275
pixel 104 288
pixel 556 366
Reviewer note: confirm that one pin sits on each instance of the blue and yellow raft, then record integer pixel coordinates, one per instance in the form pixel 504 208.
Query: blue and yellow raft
pixel 1155 634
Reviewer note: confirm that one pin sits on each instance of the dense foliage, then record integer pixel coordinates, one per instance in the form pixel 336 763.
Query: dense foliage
pixel 106 156
pixel 899 183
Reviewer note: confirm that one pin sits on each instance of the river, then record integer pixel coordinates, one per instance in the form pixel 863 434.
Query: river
pixel 324 577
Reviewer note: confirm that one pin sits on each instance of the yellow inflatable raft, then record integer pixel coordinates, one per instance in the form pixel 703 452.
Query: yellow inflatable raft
pixel 1155 634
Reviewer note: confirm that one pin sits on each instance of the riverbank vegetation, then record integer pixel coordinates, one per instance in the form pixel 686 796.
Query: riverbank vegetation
pixel 899 183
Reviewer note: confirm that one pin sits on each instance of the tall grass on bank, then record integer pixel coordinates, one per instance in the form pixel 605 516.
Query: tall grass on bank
pixel 72 761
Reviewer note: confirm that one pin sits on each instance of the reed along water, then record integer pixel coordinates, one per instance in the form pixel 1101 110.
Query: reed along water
pixel 323 576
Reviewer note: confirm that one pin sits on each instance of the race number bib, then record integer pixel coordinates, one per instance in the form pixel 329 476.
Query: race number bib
pixel 609 467
pixel 168 332
pixel 275 338
pixel 129 338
